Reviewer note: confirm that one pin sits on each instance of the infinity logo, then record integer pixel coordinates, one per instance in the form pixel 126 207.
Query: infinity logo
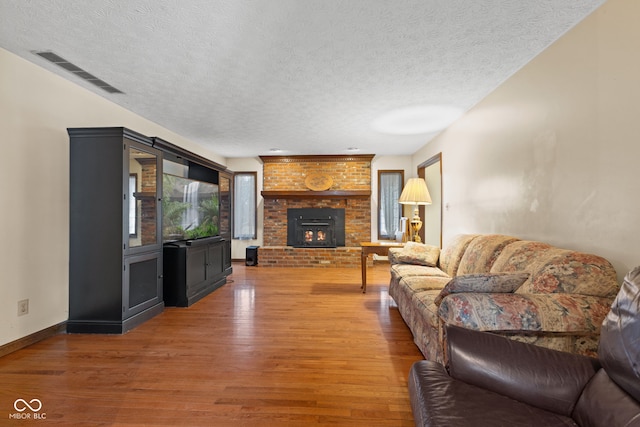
pixel 21 405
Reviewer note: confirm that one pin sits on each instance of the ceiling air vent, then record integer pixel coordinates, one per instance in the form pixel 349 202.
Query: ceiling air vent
pixel 61 62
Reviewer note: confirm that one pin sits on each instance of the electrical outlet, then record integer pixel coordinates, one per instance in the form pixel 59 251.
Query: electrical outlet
pixel 23 307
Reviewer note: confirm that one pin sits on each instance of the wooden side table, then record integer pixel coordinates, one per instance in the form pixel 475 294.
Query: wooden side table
pixel 380 248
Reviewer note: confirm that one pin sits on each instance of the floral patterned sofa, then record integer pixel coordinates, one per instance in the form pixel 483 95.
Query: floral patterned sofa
pixel 528 291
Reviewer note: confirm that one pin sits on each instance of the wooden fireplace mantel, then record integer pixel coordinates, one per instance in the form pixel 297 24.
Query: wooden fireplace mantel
pixel 304 194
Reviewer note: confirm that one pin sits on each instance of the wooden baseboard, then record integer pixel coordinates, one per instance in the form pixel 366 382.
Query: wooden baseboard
pixel 32 339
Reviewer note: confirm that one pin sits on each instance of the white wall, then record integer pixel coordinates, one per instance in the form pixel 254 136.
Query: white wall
pixel 552 153
pixel 36 108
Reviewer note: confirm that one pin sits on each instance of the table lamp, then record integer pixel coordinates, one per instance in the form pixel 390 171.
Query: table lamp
pixel 415 192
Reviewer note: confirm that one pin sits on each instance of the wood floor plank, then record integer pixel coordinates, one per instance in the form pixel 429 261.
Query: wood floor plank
pixel 273 347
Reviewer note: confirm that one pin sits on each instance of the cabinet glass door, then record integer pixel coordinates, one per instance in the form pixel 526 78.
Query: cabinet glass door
pixel 143 198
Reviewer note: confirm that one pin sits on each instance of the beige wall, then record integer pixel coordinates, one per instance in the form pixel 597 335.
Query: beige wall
pixel 36 107
pixel 552 153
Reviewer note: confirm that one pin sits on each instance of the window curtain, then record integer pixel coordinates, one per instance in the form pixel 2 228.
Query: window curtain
pixel 244 213
pixel 390 209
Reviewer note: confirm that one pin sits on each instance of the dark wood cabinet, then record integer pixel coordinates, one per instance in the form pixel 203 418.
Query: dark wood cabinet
pixel 120 273
pixel 194 269
pixel 115 259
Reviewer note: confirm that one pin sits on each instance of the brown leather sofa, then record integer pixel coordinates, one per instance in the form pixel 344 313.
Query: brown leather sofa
pixel 489 380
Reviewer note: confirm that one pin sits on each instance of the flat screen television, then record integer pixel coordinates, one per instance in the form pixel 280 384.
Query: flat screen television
pixel 190 207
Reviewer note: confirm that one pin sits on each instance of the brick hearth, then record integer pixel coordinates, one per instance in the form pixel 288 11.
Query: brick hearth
pixel 288 256
pixel 284 188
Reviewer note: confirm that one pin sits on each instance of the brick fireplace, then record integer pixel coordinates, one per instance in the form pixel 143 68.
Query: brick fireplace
pixel 286 186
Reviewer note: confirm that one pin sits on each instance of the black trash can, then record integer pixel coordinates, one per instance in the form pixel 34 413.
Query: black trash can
pixel 252 255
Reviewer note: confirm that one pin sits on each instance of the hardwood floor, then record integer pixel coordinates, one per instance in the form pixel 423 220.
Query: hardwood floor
pixel 273 347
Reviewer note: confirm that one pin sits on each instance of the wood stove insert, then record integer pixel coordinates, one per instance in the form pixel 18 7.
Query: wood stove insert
pixel 315 228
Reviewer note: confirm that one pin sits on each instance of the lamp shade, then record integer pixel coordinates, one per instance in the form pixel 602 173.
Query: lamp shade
pixel 415 193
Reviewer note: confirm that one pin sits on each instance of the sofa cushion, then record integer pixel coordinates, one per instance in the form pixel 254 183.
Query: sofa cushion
pixel 558 270
pixel 423 283
pixel 604 403
pixel 418 253
pixel 570 272
pixel 423 299
pixel 482 252
pixel 520 256
pixel 485 282
pixel 452 253
pixel 407 270
pixel 619 349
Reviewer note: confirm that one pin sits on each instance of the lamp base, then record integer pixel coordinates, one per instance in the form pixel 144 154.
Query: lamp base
pixel 416 225
pixel 415 229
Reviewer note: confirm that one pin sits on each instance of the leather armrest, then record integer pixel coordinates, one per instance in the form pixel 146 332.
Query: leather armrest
pixel 427 382
pixel 541 377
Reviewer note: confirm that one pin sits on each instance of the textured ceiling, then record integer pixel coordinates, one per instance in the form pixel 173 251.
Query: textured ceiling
pixel 306 76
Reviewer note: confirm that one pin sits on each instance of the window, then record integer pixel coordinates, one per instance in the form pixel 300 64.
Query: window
pixel 390 184
pixel 244 212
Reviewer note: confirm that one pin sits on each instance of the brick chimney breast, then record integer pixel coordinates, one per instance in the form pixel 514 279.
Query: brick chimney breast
pixel 351 191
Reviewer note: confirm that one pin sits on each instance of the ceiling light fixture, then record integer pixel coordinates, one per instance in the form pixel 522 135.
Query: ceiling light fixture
pixel 417 119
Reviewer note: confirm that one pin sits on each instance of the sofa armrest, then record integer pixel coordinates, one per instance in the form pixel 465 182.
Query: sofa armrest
pixel 568 314
pixel 393 255
pixel 541 377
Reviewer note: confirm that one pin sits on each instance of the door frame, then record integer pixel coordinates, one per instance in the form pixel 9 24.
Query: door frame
pixel 421 173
